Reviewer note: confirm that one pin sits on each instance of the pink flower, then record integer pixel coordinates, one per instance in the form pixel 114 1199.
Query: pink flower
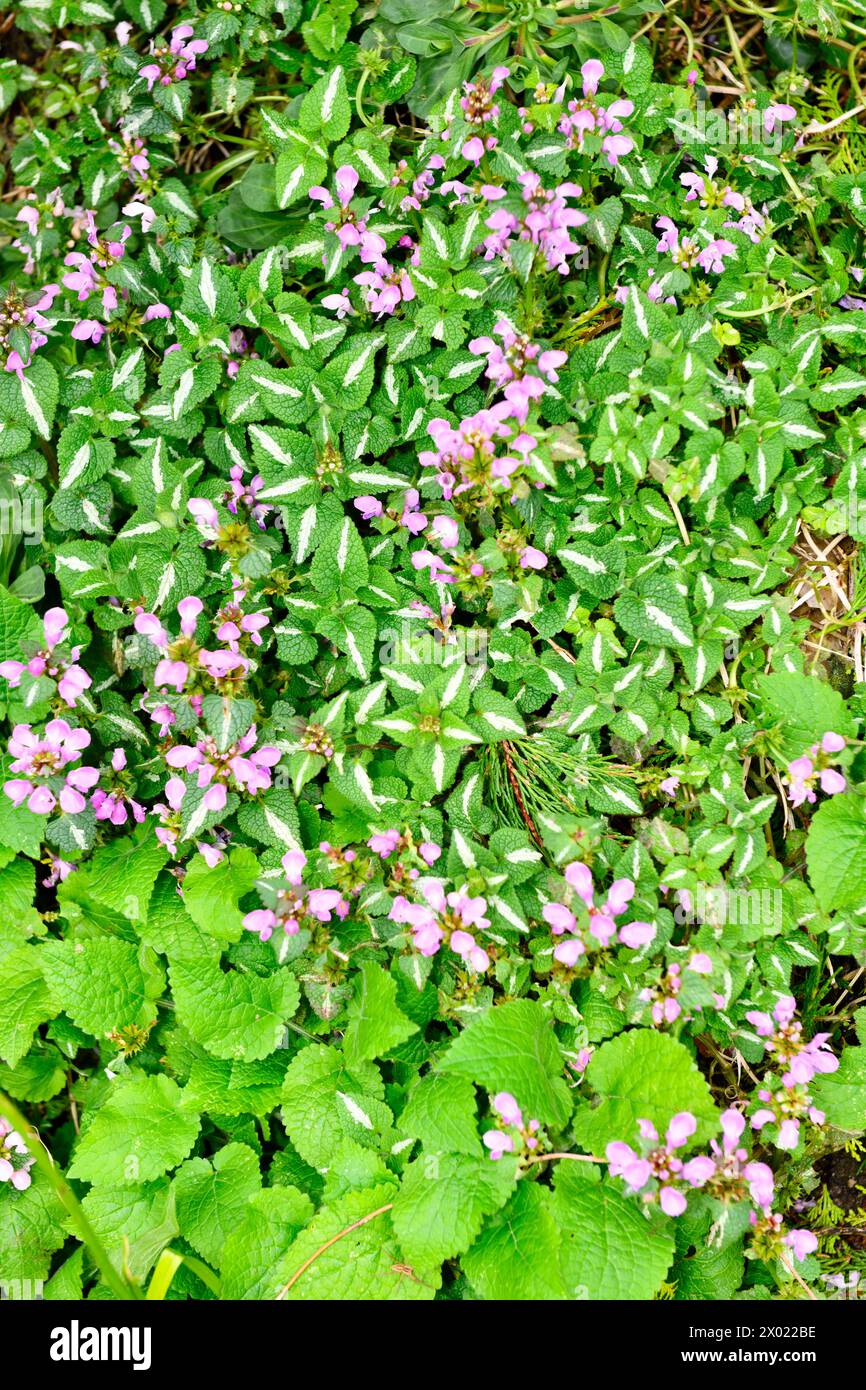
pixel 142 210
pixel 386 287
pixel 497 1142
pixel 15 1158
pixel 802 1243
pixel 637 934
pixel 672 1202
pixel 211 855
pixel 700 963
pixel 474 150
pixel 43 761
pixel 712 256
pixel 580 878
pixel 262 920
pixel 173 61
pixel 464 945
pixel 204 513
pixel 530 558
pixel 508 1109
pixel 340 303
pixel 369 507
pixel 294 861
pixel 592 72
pixel 384 843
pixel 88 330
pixel 778 113
pixel 831 781
pixel 189 610
pixel 446 532
pixel 616 147
pixel 569 952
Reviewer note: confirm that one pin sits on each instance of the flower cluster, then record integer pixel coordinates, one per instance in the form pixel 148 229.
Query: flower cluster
pixel 544 222
pixel 23 326
pixel 587 116
pixel 661 995
pixel 43 761
pixel 295 906
pixel 797 1062
pixel 601 929
pixel 241 766
pixel 518 1135
pixel 518 366
pixel 52 661
pixel 727 1173
pixel 444 918
pixel 814 769
pixel 173 61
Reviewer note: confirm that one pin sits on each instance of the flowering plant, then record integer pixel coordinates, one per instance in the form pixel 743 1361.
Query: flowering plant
pixel 431 653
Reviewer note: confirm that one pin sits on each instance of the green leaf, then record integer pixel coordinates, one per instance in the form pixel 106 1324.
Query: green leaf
pixel 365 1264
pixel 31 399
pixel 842 1093
pixel 642 1075
pixel 37 1077
pixel 134 1223
pixel 252 1252
pixel 805 708
pixel 443 1201
pixel 611 1249
pixel 121 875
pixel 211 896
pixel 836 852
pixel 100 984
pixel 643 322
pixel 142 1130
pixel 237 1017
pixel 31 1229
pixel 514 1048
pixel 212 1197
pixel 376 1025
pixel 25 1002
pixel 516 1257
pixel 297 172
pixel 326 106
pixel 658 614
pixel 340 560
pixel 18 624
pixel 237 1088
pixel 325 1101
pixel 442 1112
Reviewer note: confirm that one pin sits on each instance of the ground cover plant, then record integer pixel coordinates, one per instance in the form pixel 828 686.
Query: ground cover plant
pixel 432 471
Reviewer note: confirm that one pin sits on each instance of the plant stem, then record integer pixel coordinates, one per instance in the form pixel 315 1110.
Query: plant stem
pixel 121 1287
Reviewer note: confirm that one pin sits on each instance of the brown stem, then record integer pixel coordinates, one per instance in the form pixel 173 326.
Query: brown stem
pixel 518 796
pixel 578 1158
pixel 789 1265
pixel 328 1243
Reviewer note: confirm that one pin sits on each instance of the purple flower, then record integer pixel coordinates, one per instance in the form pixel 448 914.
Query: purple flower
pixel 386 287
pixel 43 762
pixel 777 114
pixel 172 62
pixel 802 1243
pixel 384 843
pixel 369 507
